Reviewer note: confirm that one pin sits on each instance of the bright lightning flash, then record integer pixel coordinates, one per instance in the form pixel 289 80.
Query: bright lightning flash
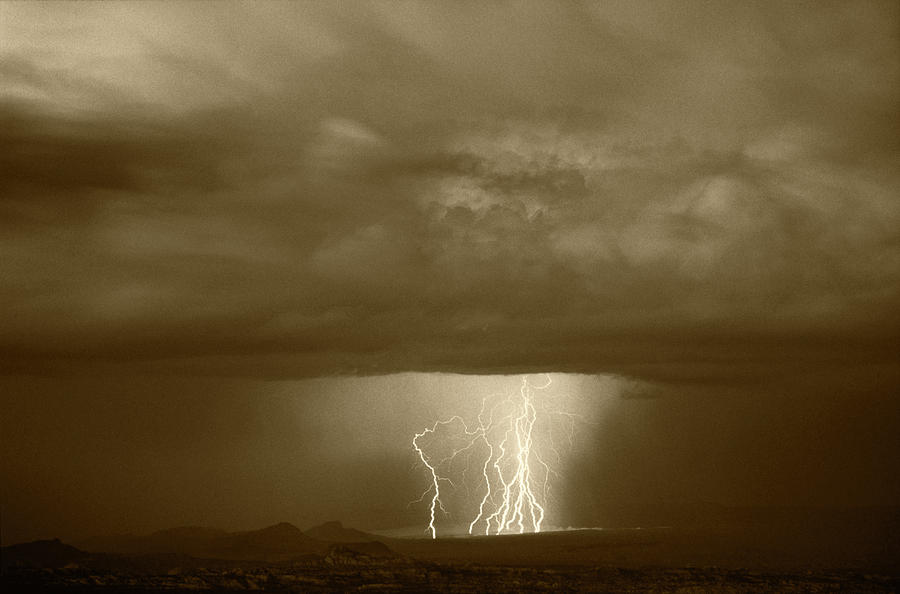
pixel 513 478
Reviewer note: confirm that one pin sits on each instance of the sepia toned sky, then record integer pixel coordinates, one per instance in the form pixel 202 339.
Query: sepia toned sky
pixel 201 203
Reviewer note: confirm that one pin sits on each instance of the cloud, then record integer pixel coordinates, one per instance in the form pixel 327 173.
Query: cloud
pixel 302 191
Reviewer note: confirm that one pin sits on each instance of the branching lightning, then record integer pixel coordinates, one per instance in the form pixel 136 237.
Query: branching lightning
pixel 513 476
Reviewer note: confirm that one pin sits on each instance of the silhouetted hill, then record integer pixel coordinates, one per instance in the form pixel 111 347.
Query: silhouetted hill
pixel 41 553
pixel 280 542
pixel 334 531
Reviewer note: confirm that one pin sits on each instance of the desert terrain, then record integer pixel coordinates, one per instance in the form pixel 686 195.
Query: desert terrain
pixel 806 554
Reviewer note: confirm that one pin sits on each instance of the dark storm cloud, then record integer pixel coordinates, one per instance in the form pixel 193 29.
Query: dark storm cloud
pixel 675 192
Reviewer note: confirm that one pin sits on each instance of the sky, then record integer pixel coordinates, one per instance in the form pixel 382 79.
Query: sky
pixel 229 231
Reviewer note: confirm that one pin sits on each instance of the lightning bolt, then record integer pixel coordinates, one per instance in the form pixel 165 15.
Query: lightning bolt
pixel 514 477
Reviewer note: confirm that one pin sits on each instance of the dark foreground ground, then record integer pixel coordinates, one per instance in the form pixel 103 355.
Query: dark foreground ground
pixel 818 554
pixel 419 577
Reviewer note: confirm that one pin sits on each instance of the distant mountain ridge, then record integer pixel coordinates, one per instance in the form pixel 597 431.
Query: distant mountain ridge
pixel 782 538
pixel 334 531
pixel 276 543
pixel 279 542
pixel 41 553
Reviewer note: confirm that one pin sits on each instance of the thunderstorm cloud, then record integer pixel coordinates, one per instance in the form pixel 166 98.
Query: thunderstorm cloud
pixel 673 191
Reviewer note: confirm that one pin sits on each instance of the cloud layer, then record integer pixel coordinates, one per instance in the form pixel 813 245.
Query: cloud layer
pixel 668 190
